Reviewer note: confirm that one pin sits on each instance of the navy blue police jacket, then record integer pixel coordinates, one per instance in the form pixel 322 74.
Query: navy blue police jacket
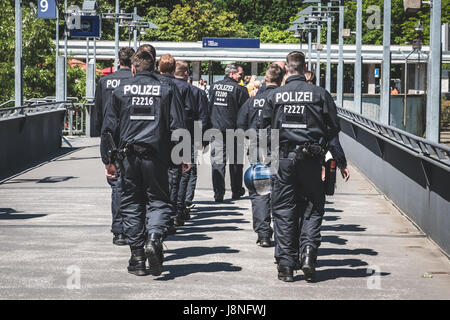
pixel 144 111
pixel 103 93
pixel 301 112
pixel 226 97
pixel 250 114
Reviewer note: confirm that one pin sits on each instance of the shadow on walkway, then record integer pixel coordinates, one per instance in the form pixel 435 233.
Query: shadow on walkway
pixel 332 274
pixel 176 271
pixel 11 214
pixel 182 253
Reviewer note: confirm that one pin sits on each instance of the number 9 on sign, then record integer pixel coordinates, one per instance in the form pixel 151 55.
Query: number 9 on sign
pixel 47 9
pixel 44 6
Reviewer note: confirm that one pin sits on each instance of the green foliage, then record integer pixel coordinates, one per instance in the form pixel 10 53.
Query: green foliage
pixel 38 53
pixel 191 21
pixel 76 82
pixel 272 35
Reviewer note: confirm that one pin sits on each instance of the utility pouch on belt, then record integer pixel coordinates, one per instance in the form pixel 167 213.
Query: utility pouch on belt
pixel 330 177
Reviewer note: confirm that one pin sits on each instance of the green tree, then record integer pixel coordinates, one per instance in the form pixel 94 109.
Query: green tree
pixel 38 53
pixel 192 20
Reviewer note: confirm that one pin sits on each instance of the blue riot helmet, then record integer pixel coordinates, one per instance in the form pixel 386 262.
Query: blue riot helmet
pixel 257 179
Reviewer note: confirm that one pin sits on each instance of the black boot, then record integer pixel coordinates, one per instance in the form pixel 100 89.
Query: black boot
pixel 237 196
pixel 154 254
pixel 179 221
pixel 119 239
pixel 264 241
pixel 137 262
pixel 186 213
pixel 285 273
pixel 309 257
pixel 171 227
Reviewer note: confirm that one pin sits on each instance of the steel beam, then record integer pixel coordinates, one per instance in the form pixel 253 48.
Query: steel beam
pixel 340 71
pixel 116 38
pixel 358 59
pixel 328 72
pixel 434 74
pixel 319 27
pixel 18 68
pixel 386 67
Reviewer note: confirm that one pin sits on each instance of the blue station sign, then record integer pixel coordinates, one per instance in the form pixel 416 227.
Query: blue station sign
pixel 230 43
pixel 90 28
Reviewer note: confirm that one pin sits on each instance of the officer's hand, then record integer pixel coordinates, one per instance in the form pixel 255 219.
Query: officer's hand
pixel 323 173
pixel 185 167
pixel 345 174
pixel 111 171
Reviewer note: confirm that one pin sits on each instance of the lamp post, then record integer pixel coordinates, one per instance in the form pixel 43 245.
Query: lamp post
pixel 133 22
pixel 322 15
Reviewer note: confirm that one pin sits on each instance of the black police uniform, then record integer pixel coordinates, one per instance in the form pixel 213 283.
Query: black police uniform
pixel 249 117
pixel 197 115
pixel 103 95
pixel 175 171
pixel 226 98
pixel 306 118
pixel 143 114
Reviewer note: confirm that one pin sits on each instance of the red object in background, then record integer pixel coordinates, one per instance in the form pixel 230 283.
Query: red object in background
pixel 75 62
pixel 107 71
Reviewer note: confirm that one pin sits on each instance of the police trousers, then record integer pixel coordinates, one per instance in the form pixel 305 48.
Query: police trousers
pixel 145 203
pixel 297 182
pixel 117 219
pixel 261 214
pixel 187 186
pixel 219 162
pixel 175 174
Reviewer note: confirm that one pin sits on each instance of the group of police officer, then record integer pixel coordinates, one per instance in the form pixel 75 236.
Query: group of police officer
pixel 139 109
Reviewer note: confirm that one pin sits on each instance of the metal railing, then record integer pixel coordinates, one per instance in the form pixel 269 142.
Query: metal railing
pixel 33 108
pixel 75 120
pixel 424 149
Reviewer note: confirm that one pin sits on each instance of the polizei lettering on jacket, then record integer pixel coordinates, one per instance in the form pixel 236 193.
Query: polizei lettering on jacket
pixel 223 87
pixel 112 83
pixel 292 97
pixel 141 90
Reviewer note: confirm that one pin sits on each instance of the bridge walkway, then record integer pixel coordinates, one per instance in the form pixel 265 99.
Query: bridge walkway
pixel 55 225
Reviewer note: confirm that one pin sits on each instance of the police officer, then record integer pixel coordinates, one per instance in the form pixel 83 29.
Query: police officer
pixel 196 111
pixel 103 94
pixel 143 114
pixel 249 117
pixel 306 118
pixel 166 69
pixel 226 98
pixel 201 99
pixel 282 65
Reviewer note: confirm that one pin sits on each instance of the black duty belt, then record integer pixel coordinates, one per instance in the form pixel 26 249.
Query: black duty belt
pixel 304 150
pixel 136 150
